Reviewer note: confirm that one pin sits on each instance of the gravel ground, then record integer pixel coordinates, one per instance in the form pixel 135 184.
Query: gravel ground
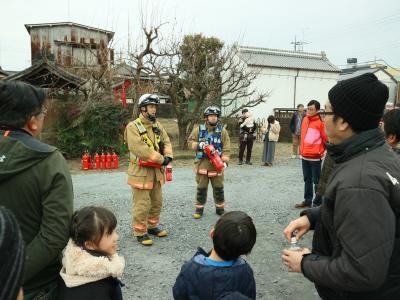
pixel 266 194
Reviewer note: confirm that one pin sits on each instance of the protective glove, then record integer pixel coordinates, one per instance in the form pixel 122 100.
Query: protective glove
pixel 167 160
pixel 201 146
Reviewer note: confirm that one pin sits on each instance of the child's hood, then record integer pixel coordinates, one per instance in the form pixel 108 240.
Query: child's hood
pixel 80 267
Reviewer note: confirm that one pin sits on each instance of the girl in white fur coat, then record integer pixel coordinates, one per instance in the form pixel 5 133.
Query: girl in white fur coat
pixel 91 265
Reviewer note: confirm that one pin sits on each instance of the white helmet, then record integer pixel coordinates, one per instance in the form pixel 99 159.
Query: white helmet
pixel 147 99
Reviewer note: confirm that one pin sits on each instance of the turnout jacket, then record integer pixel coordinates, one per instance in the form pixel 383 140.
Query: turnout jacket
pixel 356 244
pixel 203 166
pixel 145 177
pixel 35 184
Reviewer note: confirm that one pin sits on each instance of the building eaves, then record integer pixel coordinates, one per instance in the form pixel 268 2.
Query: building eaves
pixel 4 73
pixel 265 57
pixel 28 27
pixel 359 71
pixel 44 68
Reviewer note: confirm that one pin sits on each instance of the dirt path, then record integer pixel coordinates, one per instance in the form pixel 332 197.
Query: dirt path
pixel 266 194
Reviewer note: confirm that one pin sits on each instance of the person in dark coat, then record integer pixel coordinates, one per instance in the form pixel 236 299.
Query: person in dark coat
pixel 327 168
pixel 356 243
pixel 295 129
pixel 247 136
pixel 222 273
pixel 391 121
pixel 36 179
pixel 12 257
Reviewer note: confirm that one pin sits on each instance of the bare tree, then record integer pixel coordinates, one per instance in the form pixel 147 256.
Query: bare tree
pixel 203 73
pixel 236 89
pixel 142 57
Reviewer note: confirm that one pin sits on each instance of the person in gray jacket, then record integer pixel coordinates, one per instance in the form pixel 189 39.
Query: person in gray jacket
pixel 356 242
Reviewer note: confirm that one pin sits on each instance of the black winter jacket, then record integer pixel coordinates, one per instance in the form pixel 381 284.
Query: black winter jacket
pixel 356 244
pixel 105 289
pixel 197 281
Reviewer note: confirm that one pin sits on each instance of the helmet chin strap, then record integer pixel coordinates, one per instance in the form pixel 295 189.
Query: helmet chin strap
pixel 151 117
pixel 212 124
pixel 148 116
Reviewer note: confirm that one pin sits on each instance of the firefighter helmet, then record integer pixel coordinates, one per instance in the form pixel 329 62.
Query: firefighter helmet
pixel 212 110
pixel 147 99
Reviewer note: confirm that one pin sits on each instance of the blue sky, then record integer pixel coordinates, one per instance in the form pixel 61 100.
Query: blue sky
pixel 367 30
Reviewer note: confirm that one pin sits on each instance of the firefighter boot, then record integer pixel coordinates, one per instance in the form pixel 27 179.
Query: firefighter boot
pixel 198 213
pixel 201 198
pixel 219 199
pixel 145 240
pixel 157 232
pixel 219 211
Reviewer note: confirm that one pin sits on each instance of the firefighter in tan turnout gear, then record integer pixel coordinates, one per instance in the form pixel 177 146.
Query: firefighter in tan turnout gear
pixel 150 150
pixel 210 132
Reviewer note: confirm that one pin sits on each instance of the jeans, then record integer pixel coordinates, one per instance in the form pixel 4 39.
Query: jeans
pixel 311 174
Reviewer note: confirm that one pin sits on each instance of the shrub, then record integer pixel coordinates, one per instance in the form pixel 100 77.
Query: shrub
pixel 94 126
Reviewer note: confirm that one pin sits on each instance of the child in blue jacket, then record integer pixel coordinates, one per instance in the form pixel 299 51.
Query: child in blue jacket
pixel 223 270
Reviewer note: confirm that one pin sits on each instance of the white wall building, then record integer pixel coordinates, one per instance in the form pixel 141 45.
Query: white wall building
pixel 380 73
pixel 290 77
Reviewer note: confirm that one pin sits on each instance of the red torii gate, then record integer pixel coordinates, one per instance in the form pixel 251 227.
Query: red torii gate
pixel 120 91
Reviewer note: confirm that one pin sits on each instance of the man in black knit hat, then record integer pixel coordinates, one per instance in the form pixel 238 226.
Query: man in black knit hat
pixel 356 244
pixel 11 257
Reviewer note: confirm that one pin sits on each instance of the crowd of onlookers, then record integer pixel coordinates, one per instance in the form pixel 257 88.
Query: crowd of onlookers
pixel 353 208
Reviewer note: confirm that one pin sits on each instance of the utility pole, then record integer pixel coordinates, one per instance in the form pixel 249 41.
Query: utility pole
pixel 69 11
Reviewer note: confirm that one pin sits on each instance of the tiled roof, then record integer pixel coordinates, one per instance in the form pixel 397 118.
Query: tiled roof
pixel 46 74
pixel 286 59
pixel 350 73
pixel 2 72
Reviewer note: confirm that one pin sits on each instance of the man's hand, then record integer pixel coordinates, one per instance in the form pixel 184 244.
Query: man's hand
pixel 167 160
pixel 292 259
pixel 297 228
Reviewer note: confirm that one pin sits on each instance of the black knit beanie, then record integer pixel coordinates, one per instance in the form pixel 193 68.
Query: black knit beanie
pixel 11 256
pixel 360 101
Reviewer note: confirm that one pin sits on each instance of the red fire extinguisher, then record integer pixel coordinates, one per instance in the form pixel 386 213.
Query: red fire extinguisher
pixel 103 161
pixel 168 172
pixel 148 164
pixel 97 161
pixel 90 161
pixel 108 160
pixel 114 160
pixel 214 157
pixel 85 161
